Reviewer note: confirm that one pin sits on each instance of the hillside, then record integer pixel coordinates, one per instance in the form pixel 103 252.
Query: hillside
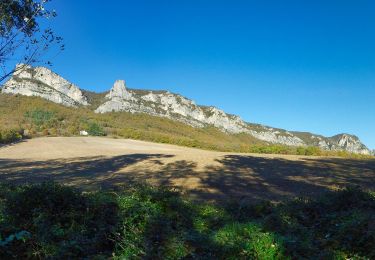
pixel 204 126
pixel 48 118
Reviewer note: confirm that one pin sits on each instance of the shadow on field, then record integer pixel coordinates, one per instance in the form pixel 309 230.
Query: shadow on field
pixel 275 178
pixel 232 176
pixel 258 178
pixel 86 172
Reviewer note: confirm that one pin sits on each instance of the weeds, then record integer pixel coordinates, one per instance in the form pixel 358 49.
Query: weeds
pixel 54 221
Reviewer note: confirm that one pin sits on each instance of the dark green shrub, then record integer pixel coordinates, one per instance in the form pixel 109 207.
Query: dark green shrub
pixel 95 129
pixel 248 241
pixel 337 222
pixel 153 224
pixel 9 136
pixel 54 221
pixel 160 224
pixel 59 221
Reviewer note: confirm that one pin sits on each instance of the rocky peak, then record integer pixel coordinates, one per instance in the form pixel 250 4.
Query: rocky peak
pixel 23 71
pixel 119 91
pixel 42 82
pixel 350 143
pixel 345 139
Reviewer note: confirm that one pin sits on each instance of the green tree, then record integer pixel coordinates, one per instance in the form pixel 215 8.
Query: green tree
pixel 23 38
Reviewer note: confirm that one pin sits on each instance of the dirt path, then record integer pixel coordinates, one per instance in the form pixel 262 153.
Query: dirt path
pixel 92 163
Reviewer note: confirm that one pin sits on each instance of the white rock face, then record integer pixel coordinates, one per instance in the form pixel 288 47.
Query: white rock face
pixel 351 144
pixel 42 82
pixel 343 142
pixel 119 91
pixel 276 137
pixel 169 105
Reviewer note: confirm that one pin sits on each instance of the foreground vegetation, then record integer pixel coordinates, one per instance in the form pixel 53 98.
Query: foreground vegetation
pixel 9 136
pixel 38 117
pixel 53 221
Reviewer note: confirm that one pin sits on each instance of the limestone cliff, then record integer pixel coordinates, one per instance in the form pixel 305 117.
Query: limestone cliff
pixel 42 82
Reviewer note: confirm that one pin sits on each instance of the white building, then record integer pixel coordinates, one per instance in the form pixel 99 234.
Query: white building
pixel 83 132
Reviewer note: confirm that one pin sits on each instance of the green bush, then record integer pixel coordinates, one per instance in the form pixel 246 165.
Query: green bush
pixel 95 129
pixel 310 150
pixel 9 136
pixel 336 224
pixel 41 119
pixel 60 222
pixel 54 221
pixel 248 241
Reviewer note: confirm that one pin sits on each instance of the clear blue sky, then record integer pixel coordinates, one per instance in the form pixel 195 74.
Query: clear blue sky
pixel 299 65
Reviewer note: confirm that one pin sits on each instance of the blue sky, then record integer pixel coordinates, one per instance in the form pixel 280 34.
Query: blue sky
pixel 298 65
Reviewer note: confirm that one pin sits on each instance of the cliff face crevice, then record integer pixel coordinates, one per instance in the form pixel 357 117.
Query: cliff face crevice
pixel 44 83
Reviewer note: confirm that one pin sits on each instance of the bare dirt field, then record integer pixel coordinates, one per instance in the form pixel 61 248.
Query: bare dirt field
pixel 93 163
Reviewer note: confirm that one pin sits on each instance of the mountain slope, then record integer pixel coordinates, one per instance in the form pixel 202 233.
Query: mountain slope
pixel 42 82
pixel 347 142
pixel 179 108
pixel 68 121
pixel 168 105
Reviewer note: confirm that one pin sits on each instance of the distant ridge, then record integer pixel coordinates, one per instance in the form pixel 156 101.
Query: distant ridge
pixel 42 82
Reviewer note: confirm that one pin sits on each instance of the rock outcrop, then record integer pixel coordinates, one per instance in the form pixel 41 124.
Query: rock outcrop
pixel 166 104
pixel 42 82
pixel 350 143
pixel 346 142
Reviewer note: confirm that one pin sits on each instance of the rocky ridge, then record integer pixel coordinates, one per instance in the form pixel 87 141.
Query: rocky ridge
pixel 179 108
pixel 42 82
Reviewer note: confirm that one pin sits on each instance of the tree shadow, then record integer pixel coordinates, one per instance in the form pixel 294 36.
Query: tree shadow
pixel 276 178
pixel 229 177
pixel 258 178
pixel 87 172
